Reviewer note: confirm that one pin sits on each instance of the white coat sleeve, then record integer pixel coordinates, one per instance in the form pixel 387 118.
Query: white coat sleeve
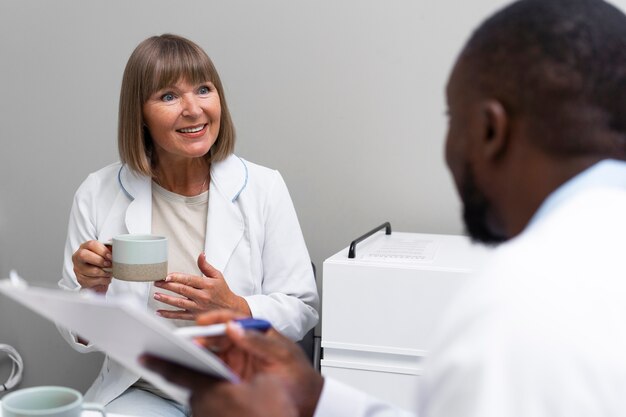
pixel 288 298
pixel 340 400
pixel 81 228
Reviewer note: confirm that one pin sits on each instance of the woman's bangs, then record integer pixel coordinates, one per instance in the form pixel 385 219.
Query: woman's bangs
pixel 168 69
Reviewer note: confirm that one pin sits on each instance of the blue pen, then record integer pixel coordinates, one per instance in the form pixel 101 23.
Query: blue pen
pixel 220 329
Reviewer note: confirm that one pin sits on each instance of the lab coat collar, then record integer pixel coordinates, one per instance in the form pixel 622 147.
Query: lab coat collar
pixel 230 176
pixel 225 225
pixel 139 189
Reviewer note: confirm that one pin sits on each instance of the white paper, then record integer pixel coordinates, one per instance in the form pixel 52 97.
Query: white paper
pixel 119 328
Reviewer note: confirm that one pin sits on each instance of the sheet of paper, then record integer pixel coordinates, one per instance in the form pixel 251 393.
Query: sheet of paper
pixel 403 250
pixel 121 329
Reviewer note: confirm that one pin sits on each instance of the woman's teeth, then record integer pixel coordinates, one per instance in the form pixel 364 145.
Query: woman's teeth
pixel 191 129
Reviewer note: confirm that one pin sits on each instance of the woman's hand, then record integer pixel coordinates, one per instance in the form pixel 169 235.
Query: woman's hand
pixel 89 261
pixel 199 294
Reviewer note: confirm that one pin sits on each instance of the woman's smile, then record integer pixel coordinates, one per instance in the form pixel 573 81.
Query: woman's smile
pixel 183 119
pixel 193 130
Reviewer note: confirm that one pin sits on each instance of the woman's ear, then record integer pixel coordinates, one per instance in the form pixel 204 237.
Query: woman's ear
pixel 496 130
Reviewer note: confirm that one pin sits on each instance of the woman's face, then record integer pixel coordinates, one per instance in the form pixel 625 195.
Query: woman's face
pixel 183 119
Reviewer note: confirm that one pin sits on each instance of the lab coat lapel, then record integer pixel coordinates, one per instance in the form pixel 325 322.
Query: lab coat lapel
pixel 225 224
pixel 139 189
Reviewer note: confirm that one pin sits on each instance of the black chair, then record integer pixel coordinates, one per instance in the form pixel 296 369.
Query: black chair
pixel 310 343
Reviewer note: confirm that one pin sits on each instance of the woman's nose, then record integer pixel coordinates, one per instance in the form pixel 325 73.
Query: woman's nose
pixel 191 107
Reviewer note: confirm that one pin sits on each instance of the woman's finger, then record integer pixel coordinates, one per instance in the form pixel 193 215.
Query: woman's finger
pixel 91 271
pixel 85 257
pixel 96 284
pixel 177 314
pixel 192 295
pixel 98 248
pixel 188 280
pixel 207 269
pixel 180 302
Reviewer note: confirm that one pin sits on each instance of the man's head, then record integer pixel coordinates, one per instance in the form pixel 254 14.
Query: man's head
pixel 537 95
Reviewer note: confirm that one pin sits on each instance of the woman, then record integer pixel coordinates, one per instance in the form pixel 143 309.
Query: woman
pixel 178 177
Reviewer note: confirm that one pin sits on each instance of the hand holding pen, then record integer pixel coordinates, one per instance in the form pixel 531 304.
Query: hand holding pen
pixel 216 330
pixel 261 359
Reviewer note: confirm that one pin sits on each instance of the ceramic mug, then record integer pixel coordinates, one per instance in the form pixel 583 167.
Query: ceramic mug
pixel 139 257
pixel 48 401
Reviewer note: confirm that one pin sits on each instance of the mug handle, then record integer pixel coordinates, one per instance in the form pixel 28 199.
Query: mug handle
pixel 95 407
pixel 109 245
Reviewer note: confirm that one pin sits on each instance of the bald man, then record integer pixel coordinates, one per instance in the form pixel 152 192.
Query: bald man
pixel 537 135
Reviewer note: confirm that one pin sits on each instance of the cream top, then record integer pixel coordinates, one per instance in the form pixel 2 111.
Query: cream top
pixel 183 221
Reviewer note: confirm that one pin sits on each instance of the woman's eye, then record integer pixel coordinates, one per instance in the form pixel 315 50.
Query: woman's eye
pixel 204 90
pixel 167 97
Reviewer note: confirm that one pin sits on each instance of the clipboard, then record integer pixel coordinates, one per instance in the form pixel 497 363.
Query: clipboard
pixel 119 327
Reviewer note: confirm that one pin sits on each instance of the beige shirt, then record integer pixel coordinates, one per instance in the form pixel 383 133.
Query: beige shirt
pixel 183 221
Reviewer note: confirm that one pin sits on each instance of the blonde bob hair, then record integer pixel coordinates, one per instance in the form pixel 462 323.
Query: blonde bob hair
pixel 156 63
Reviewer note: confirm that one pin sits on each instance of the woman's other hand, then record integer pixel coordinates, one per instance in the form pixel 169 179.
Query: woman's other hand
pixel 199 294
pixel 89 261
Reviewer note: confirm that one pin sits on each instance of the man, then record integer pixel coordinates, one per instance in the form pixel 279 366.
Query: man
pixel 537 107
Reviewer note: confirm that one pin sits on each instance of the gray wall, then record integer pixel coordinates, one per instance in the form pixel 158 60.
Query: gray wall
pixel 346 99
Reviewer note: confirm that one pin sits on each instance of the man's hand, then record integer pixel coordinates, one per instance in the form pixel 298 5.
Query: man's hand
pixel 258 358
pixel 264 395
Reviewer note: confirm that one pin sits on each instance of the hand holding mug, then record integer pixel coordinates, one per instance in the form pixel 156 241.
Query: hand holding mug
pixel 91 262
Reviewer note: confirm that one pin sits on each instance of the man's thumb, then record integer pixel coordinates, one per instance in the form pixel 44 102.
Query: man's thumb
pixel 269 345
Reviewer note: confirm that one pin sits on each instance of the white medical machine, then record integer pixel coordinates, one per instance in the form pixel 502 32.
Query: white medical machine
pixel 381 299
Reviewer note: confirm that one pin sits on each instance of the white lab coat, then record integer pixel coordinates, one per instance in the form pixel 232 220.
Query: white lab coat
pixel 253 237
pixel 540 331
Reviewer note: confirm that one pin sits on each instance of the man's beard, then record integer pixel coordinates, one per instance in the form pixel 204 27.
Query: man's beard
pixel 476 211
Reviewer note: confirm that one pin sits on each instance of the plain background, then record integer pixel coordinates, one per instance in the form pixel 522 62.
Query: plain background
pixel 344 98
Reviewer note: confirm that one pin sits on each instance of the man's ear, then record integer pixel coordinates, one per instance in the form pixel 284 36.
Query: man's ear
pixel 495 130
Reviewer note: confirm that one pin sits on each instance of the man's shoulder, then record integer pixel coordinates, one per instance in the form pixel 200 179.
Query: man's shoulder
pixel 575 249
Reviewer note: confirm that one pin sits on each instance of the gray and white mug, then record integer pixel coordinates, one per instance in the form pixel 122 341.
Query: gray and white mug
pixel 47 401
pixel 139 257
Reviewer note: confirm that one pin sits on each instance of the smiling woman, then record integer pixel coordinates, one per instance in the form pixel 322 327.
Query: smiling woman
pixel 184 122
pixel 234 237
pixel 171 84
